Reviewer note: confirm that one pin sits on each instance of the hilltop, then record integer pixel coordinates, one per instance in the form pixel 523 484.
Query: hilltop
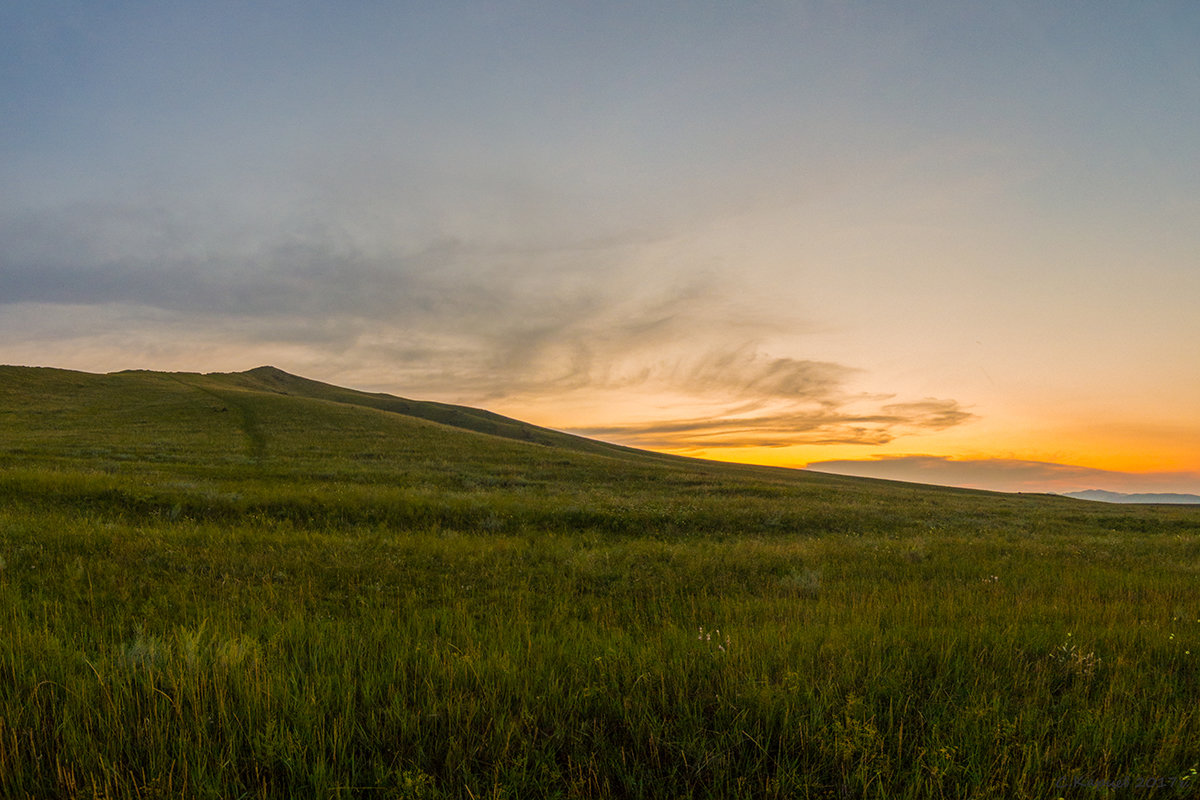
pixel 142 397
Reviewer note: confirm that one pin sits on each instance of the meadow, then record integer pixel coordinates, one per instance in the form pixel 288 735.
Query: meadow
pixel 257 586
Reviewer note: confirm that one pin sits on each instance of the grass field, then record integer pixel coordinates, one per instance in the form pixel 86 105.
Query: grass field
pixel 253 585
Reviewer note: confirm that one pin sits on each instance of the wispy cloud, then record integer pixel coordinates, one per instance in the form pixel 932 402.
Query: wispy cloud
pixel 757 400
pixel 815 422
pixel 470 318
pixel 469 315
pixel 746 372
pixel 1012 475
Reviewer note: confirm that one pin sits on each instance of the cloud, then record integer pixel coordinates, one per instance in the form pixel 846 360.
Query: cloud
pixel 812 420
pixel 485 317
pixel 96 253
pixel 756 400
pixel 1010 475
pixel 471 317
pixel 743 371
pixel 513 308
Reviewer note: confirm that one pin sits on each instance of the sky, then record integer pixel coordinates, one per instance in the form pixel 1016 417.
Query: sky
pixel 946 242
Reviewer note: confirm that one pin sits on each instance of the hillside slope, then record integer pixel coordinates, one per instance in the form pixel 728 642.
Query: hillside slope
pixel 271 379
pixel 134 415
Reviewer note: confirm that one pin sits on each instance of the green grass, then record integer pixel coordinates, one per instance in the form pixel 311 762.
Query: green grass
pixel 257 586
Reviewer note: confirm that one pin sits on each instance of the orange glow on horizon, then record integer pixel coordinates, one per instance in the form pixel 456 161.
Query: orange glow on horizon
pixel 991 437
pixel 1134 461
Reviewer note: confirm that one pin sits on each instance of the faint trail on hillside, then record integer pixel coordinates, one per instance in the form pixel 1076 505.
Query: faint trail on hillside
pixel 256 440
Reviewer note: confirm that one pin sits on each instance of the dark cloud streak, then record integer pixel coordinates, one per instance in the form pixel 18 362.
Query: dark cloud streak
pixel 503 316
pixel 828 423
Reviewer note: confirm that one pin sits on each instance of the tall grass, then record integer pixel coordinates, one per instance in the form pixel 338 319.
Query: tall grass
pixel 272 660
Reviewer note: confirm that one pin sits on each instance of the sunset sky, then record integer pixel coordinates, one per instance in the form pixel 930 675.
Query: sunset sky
pixel 949 242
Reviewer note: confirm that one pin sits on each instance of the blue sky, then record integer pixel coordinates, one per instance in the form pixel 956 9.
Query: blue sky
pixel 959 234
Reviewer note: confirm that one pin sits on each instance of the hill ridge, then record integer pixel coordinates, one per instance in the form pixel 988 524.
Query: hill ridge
pixel 271 378
pixel 63 388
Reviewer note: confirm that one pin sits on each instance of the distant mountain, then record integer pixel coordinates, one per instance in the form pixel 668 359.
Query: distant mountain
pixel 1117 497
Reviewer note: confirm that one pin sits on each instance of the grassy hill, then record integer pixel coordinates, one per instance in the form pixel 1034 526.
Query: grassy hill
pixel 257 585
pixel 219 446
